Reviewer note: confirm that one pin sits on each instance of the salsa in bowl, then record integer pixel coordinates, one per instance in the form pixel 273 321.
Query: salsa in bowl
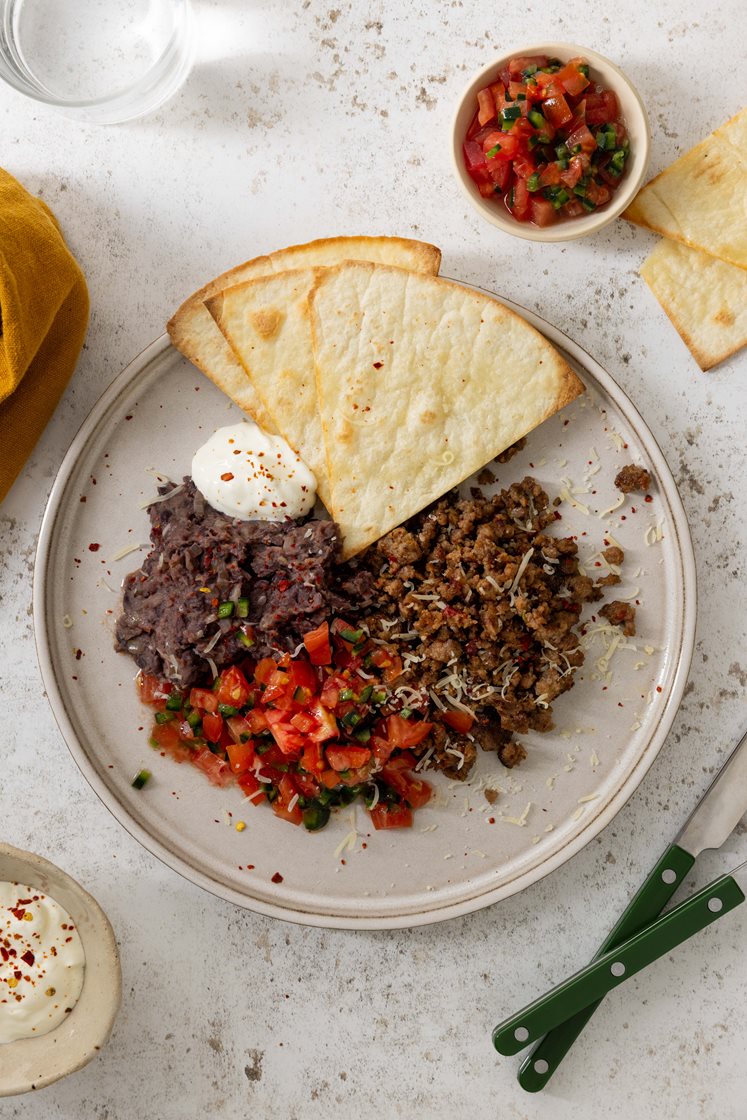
pixel 551 142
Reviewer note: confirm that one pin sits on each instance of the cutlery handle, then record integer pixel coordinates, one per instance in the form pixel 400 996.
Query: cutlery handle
pixel 664 879
pixel 615 966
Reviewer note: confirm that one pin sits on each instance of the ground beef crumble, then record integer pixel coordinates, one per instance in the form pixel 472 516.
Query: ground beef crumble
pixel 632 479
pixel 483 605
pixel 620 614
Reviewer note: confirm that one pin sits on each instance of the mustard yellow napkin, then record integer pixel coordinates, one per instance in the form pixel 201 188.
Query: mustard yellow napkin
pixel 43 320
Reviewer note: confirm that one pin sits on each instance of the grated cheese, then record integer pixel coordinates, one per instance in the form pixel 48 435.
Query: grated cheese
pixel 162 497
pixel 347 843
pixel 126 551
pixel 566 495
pixel 615 505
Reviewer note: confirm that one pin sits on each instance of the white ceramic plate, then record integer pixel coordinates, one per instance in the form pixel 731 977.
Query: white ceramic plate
pixel 608 730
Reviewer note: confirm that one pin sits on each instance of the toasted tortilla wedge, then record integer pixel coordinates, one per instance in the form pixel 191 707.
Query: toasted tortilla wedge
pixel 705 298
pixel 421 382
pixel 193 330
pixel 266 322
pixel 701 199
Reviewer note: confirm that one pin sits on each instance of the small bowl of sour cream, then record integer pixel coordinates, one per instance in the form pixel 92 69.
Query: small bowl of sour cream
pixel 60 980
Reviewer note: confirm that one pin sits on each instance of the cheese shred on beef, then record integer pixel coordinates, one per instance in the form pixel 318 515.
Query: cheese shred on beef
pixel 494 602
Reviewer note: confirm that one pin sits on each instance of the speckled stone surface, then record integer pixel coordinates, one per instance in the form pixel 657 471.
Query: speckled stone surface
pixel 299 121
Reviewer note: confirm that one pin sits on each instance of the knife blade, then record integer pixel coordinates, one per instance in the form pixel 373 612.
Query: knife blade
pixel 720 808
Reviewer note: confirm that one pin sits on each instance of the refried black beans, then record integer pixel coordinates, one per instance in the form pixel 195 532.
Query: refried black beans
pixel 483 606
pixel 200 559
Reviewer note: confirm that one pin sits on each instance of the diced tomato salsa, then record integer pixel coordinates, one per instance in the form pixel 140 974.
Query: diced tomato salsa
pixel 305 734
pixel 547 142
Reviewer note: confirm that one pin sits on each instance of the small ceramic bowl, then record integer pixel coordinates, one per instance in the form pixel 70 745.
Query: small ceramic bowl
pixel 32 1063
pixel 636 122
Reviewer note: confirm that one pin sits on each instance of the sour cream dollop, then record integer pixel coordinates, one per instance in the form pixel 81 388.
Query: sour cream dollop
pixel 247 473
pixel 41 962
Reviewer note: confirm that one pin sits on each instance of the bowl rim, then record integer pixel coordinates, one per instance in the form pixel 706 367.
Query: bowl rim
pixel 72 1044
pixel 577 227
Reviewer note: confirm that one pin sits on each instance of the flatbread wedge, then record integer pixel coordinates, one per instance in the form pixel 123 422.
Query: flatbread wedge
pixel 193 330
pixel 266 322
pixel 421 382
pixel 701 199
pixel 705 298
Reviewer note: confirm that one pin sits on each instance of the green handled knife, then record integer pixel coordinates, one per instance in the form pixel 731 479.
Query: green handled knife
pixel 626 959
pixel 713 820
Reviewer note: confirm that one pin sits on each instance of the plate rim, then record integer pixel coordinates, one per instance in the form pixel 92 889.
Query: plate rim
pixel 319 918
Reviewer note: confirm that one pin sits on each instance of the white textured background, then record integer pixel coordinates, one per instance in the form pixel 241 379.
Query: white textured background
pixel 301 120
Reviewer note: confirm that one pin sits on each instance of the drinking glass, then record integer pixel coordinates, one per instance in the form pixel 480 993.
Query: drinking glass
pixel 103 61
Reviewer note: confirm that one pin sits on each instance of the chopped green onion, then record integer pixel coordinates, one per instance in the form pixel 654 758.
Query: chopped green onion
pixel 350 719
pixel 245 639
pixel 141 779
pixel 588 205
pixel 562 151
pixel 493 152
pixel 193 719
pixel 580 189
pixel 347 694
pixel 511 113
pixel 535 117
pixel 351 635
pixel 228 710
pixel 533 182
pixel 164 717
pixel 363 735
pixel 406 713
pixel 315 816
pixel 225 610
pixel 365 695
pixel 174 702
pixel 507 125
pixel 561 197
pixel 242 608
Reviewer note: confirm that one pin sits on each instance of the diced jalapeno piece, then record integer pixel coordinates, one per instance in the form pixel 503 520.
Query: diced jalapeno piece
pixel 533 182
pixel 141 779
pixel 165 717
pixel 225 610
pixel 315 816
pixel 242 608
pixel 174 702
pixel 228 710
pixel 511 112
